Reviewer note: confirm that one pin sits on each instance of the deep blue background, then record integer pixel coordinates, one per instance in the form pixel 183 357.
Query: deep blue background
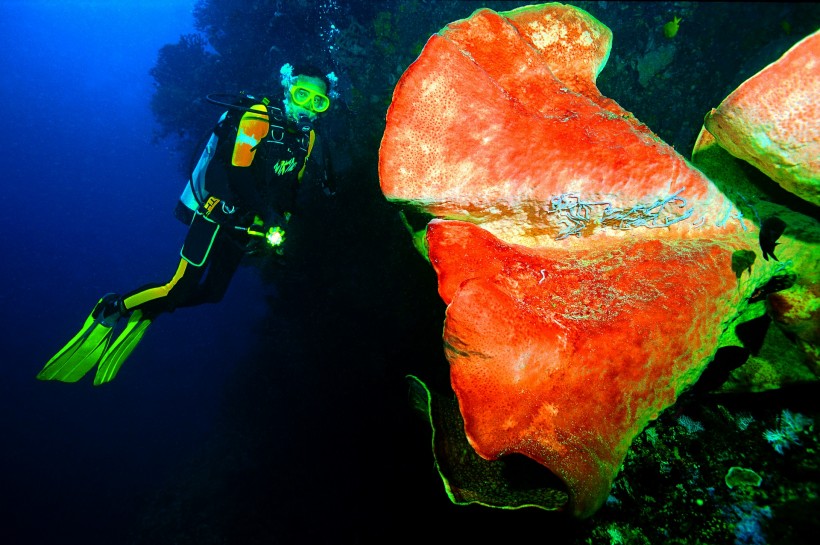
pixel 88 202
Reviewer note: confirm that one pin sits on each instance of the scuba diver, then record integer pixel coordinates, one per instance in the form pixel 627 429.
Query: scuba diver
pixel 237 201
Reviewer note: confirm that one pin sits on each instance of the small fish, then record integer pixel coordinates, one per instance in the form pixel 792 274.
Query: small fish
pixel 770 231
pixel 742 260
pixel 671 28
pixel 776 283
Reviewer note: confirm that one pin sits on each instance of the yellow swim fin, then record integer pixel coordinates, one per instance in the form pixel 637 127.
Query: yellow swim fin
pixel 115 356
pixel 83 351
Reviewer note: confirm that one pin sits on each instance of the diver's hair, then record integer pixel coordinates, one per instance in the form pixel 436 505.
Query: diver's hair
pixel 306 69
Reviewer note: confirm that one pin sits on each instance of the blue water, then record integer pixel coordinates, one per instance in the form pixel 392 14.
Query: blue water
pixel 173 442
pixel 88 200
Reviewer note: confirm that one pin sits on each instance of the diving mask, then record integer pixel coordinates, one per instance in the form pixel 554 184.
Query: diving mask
pixel 309 98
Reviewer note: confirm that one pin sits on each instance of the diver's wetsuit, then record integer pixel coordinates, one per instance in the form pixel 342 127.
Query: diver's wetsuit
pixel 243 182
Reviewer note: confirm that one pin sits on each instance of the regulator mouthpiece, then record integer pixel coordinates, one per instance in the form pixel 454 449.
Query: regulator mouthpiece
pixel 304 124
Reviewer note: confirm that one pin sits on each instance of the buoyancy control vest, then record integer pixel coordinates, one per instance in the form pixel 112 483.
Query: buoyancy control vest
pixel 250 134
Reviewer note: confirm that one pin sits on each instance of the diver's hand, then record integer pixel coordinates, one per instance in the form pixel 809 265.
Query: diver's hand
pixel 264 238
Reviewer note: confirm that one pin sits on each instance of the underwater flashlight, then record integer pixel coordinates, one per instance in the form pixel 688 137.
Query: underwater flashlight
pixel 275 236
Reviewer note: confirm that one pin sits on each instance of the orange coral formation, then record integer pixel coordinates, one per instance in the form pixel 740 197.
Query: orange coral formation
pixel 564 356
pixel 481 129
pixel 587 267
pixel 771 120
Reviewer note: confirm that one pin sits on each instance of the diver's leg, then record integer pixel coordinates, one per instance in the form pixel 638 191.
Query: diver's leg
pixel 142 306
pixel 196 253
pixel 93 344
pixel 154 299
pixel 225 258
pixel 184 289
